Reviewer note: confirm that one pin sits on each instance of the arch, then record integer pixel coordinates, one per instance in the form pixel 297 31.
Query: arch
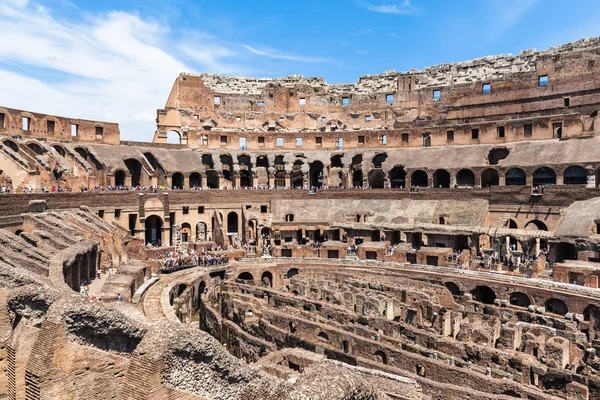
pixel 11 145
pixel 59 149
pixel 135 169
pixel 201 231
pixel 398 177
pixel 490 177
pixel 519 299
pixel 212 179
pixel 245 276
pixel 515 177
pixel 381 357
pixel 556 306
pixel 465 177
pixel 153 227
pixel 292 272
pixel 441 178
pixel 419 178
pixel 186 232
pixel 575 175
pixel 36 148
pixel 227 166
pixel 453 288
pixel 377 179
pixel 323 336
pixel 232 222
pixel 483 294
pixel 207 161
pixel 512 224
pixel 336 161
pixel 82 152
pixel 497 154
pixel 267 279
pixel 195 180
pixel 262 161
pixel 379 159
pixel 120 178
pixel 536 225
pixel 177 180
pixel 544 176
pixel 173 137
pixel 316 174
pixel 245 170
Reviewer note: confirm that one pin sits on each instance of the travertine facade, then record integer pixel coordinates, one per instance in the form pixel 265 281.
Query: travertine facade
pixel 448 247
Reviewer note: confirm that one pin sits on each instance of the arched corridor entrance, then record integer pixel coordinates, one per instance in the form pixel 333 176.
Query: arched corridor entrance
pixel 398 177
pixel 376 179
pixel 153 226
pixel 232 222
pixel 441 178
pixel 120 178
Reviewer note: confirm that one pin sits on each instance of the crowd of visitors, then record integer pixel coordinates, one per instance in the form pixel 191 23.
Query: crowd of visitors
pixel 179 259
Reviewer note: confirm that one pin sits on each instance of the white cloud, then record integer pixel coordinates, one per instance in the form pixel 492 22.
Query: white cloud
pixel 505 14
pixel 404 7
pixel 271 53
pixel 114 66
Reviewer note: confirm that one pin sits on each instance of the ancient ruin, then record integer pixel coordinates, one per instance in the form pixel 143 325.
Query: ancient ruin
pixel 430 234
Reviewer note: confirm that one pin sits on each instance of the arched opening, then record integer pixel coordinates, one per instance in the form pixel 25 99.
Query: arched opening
pixel 323 336
pixel 201 231
pixel 36 148
pixel 398 177
pixel 441 178
pixel 419 178
pixel 120 178
pixel 201 290
pixel 135 169
pixel 357 178
pixel 556 306
pixel 483 294
pixel 195 180
pixel 453 288
pixel 379 159
pixel 11 145
pixel 536 225
pixel 173 137
pixel 267 279
pixel 232 222
pixel 575 175
pixel 227 167
pixel 381 357
pixel 316 174
pixel 185 232
pixel 292 272
pixel 245 170
pixel 376 179
pixel 60 150
pixel 207 161
pixel 212 179
pixel 177 181
pixel 153 226
pixel 497 154
pixel 297 179
pixel 516 177
pixel 245 276
pixel 519 299
pixel 490 177
pixel 262 162
pixel 544 176
pixel 465 177
pixel 336 161
pixel 565 251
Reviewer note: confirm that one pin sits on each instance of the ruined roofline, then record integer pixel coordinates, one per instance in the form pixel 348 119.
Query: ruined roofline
pixel 524 57
pixel 40 115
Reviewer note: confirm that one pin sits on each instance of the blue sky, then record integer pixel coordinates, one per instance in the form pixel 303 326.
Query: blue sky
pixel 116 60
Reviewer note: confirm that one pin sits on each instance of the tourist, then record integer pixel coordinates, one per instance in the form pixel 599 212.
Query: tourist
pixel 119 298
